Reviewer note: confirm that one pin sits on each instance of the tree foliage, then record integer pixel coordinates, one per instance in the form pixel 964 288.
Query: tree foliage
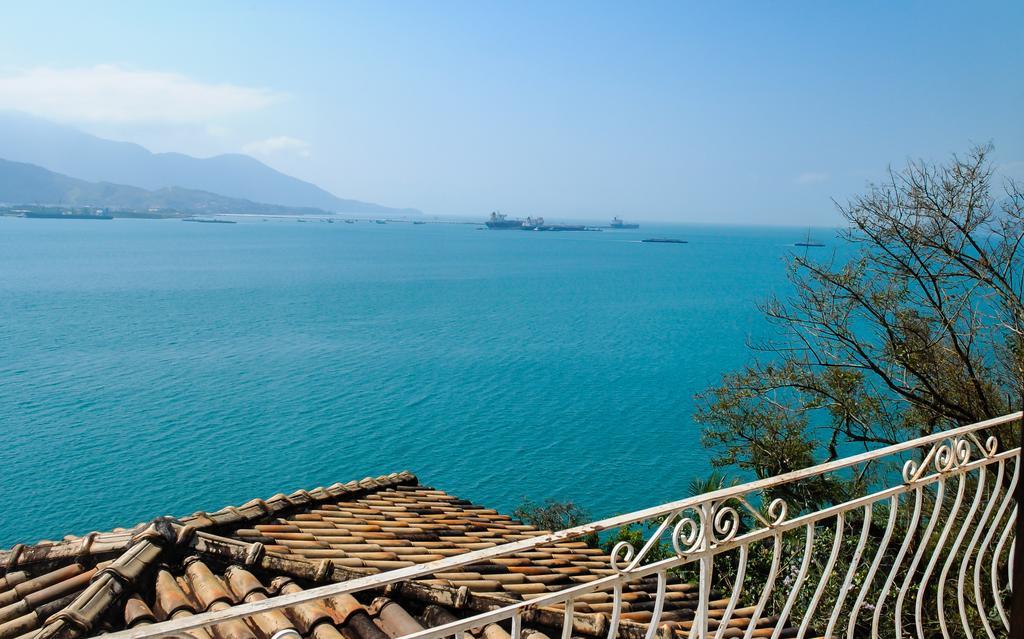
pixel 551 515
pixel 918 329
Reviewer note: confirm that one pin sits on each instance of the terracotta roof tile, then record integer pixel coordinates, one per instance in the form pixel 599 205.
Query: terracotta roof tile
pixel 210 561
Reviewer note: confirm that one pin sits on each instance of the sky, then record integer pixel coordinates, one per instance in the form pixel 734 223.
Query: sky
pixel 722 112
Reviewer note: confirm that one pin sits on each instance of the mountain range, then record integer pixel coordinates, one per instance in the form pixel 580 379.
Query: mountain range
pixel 22 183
pixel 87 164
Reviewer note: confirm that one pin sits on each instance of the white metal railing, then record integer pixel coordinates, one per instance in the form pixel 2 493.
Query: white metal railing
pixel 927 553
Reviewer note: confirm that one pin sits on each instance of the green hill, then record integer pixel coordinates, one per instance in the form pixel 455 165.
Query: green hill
pixel 29 184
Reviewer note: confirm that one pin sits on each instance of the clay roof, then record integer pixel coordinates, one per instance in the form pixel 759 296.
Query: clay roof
pixel 101 582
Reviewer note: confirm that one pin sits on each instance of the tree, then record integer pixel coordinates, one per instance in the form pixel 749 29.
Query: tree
pixel 551 515
pixel 918 330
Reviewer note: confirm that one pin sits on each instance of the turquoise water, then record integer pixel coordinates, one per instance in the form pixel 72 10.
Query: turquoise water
pixel 156 367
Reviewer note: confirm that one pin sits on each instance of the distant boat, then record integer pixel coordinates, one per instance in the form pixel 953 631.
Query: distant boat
pixel 417 222
pixel 617 223
pixel 538 224
pixel 563 227
pixel 381 221
pixel 808 241
pixel 209 220
pixel 499 222
pixel 663 240
pixel 350 221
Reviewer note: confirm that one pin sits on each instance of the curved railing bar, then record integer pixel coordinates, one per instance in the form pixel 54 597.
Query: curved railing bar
pixel 955 548
pixel 933 519
pixel 1009 574
pixel 613 627
pixel 773 573
pixel 737 588
pixel 1010 521
pixel 659 605
pixel 870 577
pixel 993 499
pixel 986 543
pixel 891 578
pixel 826 574
pixel 951 518
pixel 805 565
pixel 851 572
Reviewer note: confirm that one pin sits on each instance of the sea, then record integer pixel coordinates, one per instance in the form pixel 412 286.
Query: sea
pixel 153 367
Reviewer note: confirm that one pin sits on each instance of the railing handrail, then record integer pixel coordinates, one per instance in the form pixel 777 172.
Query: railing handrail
pixel 382 579
pixel 662 565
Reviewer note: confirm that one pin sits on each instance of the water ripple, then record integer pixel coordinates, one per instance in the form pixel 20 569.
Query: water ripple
pixel 148 369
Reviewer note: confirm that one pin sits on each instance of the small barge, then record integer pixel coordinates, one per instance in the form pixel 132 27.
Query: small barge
pixel 208 220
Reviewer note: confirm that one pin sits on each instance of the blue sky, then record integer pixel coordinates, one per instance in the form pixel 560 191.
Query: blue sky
pixel 712 112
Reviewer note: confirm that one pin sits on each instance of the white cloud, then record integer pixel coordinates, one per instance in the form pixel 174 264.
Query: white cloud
pixel 812 178
pixel 281 144
pixel 217 131
pixel 111 94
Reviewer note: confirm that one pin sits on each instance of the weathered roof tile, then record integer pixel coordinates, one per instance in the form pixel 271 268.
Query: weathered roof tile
pixel 266 547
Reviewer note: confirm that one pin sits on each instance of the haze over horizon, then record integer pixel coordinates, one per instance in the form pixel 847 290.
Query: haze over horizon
pixel 695 113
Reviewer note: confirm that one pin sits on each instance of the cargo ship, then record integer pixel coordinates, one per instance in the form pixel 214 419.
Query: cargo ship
pixel 617 223
pixel 500 222
pixel 663 240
